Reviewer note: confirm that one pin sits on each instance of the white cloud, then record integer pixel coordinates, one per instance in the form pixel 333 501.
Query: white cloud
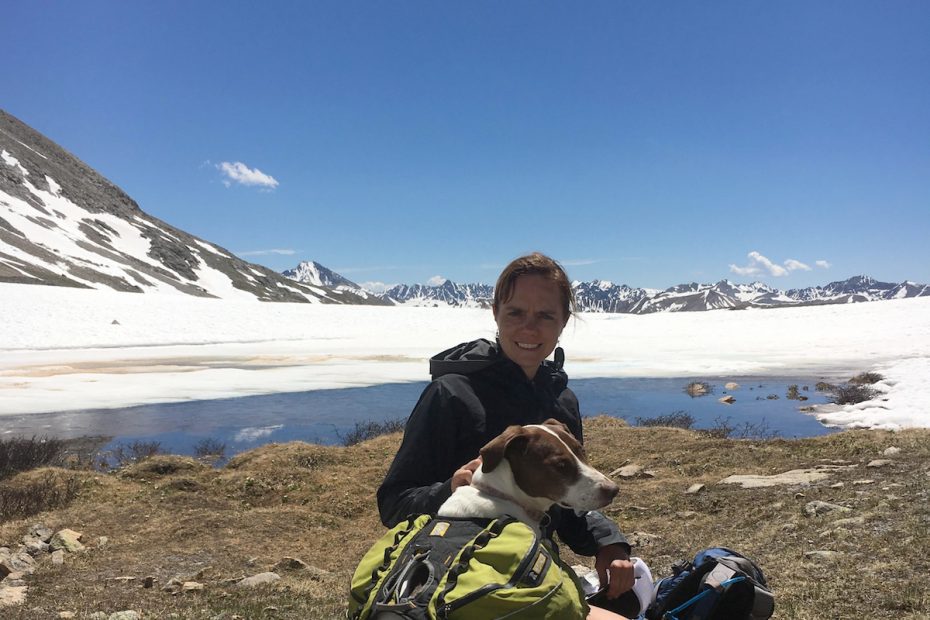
pixel 772 268
pixel 436 281
pixel 794 265
pixel 345 270
pixel 749 270
pixel 758 264
pixel 279 251
pixel 823 264
pixel 579 262
pixel 237 172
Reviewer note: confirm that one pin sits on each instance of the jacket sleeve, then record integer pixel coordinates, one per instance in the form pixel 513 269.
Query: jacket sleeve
pixel 425 455
pixel 588 532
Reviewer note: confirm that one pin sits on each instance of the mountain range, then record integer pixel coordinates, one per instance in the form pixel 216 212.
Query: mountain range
pixel 63 224
pixel 604 296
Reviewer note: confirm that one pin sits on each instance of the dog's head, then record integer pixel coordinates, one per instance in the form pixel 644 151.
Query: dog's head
pixel 548 462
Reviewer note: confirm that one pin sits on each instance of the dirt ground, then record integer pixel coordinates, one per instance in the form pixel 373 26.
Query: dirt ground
pixel 174 518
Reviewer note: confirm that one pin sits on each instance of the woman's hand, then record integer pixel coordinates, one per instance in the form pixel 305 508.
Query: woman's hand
pixel 615 569
pixel 462 475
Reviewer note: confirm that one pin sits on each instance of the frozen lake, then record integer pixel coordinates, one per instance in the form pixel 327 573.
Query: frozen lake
pixel 326 416
pixel 174 368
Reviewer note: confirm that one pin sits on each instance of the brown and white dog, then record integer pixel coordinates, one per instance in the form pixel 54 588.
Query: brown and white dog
pixel 527 469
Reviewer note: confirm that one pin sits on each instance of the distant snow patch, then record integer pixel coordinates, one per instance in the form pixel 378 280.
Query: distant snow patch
pixel 11 161
pixel 53 186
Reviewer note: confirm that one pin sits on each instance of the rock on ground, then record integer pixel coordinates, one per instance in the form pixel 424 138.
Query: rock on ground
pixel 795 476
pixel 258 580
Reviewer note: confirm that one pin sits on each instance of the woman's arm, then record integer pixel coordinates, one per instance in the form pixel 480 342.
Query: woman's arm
pixel 587 533
pixel 418 481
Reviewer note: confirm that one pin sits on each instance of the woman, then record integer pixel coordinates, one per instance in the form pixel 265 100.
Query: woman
pixel 480 388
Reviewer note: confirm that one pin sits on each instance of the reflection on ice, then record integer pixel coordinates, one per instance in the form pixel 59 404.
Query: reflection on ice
pixel 254 434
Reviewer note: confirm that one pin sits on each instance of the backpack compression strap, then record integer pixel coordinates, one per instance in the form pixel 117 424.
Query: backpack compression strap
pixel 673 614
pixel 720 579
pixel 493 531
pixel 385 564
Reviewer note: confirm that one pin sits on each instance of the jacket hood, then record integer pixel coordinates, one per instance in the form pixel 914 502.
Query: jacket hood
pixel 465 358
pixel 470 357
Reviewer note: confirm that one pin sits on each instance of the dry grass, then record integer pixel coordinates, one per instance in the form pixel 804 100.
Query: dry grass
pixel 36 491
pixel 171 516
pixel 21 454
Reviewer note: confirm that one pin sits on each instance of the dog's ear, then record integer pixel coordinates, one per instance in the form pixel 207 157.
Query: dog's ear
pixel 493 452
pixel 557 424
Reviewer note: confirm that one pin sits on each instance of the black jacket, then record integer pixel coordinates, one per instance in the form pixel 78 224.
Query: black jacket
pixel 475 394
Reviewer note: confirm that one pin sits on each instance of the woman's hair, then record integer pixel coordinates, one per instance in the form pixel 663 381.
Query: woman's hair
pixel 539 265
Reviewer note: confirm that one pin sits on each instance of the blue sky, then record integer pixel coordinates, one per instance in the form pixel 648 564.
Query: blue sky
pixel 647 143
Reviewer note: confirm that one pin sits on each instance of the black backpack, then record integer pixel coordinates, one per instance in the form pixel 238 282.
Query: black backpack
pixel 720 584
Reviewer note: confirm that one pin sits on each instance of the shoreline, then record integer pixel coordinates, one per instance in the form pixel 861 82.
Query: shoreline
pixel 176 379
pixel 323 416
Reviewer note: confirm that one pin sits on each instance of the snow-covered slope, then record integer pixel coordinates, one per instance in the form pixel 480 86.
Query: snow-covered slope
pixel 313 273
pixel 447 294
pixel 62 224
pixel 605 296
pixel 859 288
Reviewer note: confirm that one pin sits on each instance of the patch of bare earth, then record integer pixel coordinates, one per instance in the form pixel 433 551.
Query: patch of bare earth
pixel 174 518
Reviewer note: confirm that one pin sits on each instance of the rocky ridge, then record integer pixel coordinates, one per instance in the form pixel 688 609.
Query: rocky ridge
pixel 63 224
pixel 605 296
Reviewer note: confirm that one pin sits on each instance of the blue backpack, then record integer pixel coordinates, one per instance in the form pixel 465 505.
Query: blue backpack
pixel 720 584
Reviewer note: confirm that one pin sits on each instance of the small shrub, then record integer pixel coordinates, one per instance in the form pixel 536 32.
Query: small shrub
pixel 676 419
pixel 792 393
pixel 723 428
pixel 823 386
pixel 126 454
pixel 210 449
pixel 370 429
pixel 20 454
pixel 755 430
pixel 866 378
pixel 25 499
pixel 850 394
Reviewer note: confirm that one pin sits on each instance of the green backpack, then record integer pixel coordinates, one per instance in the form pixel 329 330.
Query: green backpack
pixel 457 569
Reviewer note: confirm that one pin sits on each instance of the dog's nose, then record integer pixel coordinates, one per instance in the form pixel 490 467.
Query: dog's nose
pixel 609 491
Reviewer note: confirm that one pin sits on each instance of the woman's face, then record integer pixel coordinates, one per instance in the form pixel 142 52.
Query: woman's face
pixel 530 322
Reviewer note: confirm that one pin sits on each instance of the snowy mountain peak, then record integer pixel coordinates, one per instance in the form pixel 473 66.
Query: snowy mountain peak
pixel 448 293
pixel 312 272
pixel 604 296
pixel 63 224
